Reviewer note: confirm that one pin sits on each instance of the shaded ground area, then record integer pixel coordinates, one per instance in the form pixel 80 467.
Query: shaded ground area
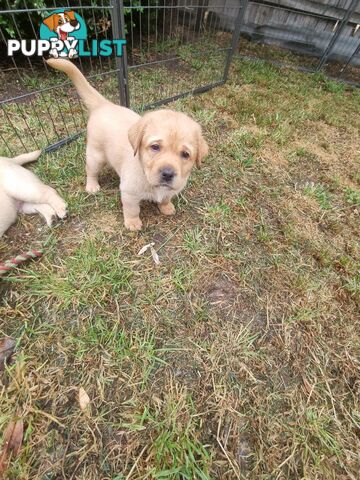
pixel 237 357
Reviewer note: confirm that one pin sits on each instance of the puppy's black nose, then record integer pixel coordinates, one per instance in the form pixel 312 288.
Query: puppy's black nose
pixel 167 174
pixel 74 23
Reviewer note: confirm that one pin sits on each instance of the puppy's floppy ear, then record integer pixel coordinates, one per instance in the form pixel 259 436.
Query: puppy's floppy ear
pixel 51 22
pixel 202 150
pixel 71 14
pixel 136 133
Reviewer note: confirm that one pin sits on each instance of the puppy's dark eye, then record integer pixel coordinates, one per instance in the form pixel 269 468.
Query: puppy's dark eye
pixel 60 21
pixel 185 154
pixel 155 147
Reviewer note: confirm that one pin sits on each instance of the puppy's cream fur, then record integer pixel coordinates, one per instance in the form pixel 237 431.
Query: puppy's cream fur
pixel 138 148
pixel 22 191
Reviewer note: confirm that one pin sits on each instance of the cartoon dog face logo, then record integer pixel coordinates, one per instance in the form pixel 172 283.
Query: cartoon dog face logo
pixel 62 23
pixel 63 33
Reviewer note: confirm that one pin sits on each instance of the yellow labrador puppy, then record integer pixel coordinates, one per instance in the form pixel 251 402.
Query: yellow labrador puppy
pixel 22 191
pixel 153 155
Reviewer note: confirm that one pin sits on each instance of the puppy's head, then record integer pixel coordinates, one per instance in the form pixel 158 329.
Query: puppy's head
pixel 169 145
pixel 62 23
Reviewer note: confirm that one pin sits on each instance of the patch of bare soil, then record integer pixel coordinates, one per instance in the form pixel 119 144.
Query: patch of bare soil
pixel 27 233
pixel 227 301
pixel 186 369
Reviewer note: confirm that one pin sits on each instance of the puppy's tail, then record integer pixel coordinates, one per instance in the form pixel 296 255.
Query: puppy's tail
pixel 88 94
pixel 26 157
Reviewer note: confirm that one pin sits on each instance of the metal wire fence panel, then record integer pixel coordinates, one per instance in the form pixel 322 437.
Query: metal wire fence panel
pixel 303 34
pixel 342 59
pixel 39 107
pixel 174 47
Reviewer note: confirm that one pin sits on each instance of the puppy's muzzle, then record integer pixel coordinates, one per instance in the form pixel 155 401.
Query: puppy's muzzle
pixel 167 175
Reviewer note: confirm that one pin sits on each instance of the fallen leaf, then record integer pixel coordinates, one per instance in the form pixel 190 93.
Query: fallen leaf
pixel 12 442
pixel 7 346
pixel 13 436
pixel 146 247
pixel 155 256
pixel 84 399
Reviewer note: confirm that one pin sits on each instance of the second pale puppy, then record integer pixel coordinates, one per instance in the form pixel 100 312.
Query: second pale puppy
pixel 153 155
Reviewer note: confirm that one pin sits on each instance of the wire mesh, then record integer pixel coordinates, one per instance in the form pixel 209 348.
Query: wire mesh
pixel 40 107
pixel 304 34
pixel 174 47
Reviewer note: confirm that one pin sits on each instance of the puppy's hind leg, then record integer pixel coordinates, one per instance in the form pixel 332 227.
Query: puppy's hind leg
pixel 45 210
pixel 8 212
pixel 46 201
pixel 95 160
pixel 23 185
pixel 53 199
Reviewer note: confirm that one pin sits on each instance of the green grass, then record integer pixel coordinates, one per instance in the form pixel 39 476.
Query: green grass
pixel 352 196
pixel 237 356
pixel 320 193
pixel 87 272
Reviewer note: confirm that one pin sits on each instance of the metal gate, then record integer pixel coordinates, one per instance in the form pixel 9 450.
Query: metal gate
pixel 174 48
pixel 178 49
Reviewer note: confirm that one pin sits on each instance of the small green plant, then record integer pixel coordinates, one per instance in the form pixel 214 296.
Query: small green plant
pixel 182 279
pixel 352 285
pixel 263 233
pixel 303 153
pixel 320 193
pixel 195 241
pixel 179 454
pixel 218 212
pixel 352 196
pixel 333 86
pixel 241 202
pixel 245 160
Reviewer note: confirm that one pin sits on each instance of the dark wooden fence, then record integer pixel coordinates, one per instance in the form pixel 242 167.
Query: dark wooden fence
pixel 322 33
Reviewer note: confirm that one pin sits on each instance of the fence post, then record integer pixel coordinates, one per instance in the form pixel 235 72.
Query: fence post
pixel 336 35
pixel 200 12
pixel 236 35
pixel 118 30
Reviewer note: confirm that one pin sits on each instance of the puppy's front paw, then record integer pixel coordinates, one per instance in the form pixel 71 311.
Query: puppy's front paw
pixel 51 220
pixel 61 210
pixel 166 208
pixel 92 187
pixel 133 224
